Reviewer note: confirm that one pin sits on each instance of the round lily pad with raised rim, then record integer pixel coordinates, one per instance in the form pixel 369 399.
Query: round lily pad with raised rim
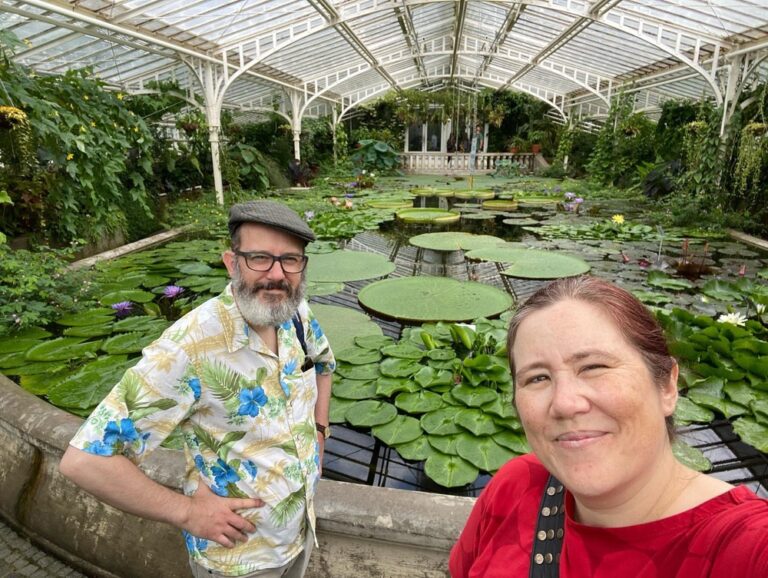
pixel 424 299
pixel 434 192
pixel 393 204
pixel 500 204
pixel 316 289
pixel 474 194
pixel 524 222
pixel 343 325
pixel 449 471
pixel 370 413
pixel 342 266
pixel 421 215
pixel 417 450
pixel 532 263
pixel 454 241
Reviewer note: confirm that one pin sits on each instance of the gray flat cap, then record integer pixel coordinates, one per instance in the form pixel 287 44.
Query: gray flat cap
pixel 271 214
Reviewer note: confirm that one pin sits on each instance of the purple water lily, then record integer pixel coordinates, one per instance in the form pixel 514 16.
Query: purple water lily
pixel 173 291
pixel 309 215
pixel 570 196
pixel 123 309
pixel 578 200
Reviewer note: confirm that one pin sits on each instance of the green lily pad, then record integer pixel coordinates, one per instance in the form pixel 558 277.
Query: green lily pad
pixel 501 406
pixel 664 281
pixel 449 471
pixel 453 241
pixel 367 372
pixel 358 356
pixel 143 323
pixel 15 345
pixel 483 452
pixel 419 402
pixel 373 341
pixel 417 450
pixel 370 413
pixel 447 444
pixel 343 325
pixel 89 330
pixel 476 421
pixel 338 409
pixel 727 408
pixel 198 269
pixel 397 367
pixel 354 389
pixel 691 457
pixel 62 348
pixel 524 222
pixel 532 263
pixel 16 359
pixel 343 266
pixel 317 289
pixel 441 422
pixel 474 396
pixel 687 411
pixel 92 317
pixel 389 386
pixel 400 430
pixel 393 204
pixel 474 195
pixel 420 215
pixel 134 295
pixel 512 441
pixel 423 299
pixel 31 333
pixel 752 433
pixel 403 350
pixel 501 204
pixel 125 343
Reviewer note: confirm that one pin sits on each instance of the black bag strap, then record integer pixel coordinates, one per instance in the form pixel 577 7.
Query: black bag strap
pixel 297 324
pixel 550 527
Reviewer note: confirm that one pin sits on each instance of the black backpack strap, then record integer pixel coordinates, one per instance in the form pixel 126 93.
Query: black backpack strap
pixel 299 327
pixel 548 535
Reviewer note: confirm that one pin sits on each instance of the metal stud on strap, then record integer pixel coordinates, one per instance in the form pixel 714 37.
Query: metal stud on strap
pixel 548 535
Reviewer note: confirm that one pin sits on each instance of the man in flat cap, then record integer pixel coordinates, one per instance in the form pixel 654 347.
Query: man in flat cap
pixel 247 378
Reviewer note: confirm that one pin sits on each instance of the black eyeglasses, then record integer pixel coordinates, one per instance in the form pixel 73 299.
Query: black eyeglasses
pixel 261 262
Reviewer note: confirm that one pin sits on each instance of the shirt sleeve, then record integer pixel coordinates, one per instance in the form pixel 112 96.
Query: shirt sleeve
pixel 318 347
pixel 145 406
pixel 464 552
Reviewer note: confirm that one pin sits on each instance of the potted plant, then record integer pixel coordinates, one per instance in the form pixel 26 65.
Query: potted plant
pixel 536 136
pixel 516 144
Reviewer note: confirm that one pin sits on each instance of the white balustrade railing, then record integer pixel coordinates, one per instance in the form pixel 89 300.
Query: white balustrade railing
pixel 426 163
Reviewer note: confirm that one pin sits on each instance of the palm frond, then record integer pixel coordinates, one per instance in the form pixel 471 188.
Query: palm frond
pixel 206 439
pixel 224 381
pixel 287 508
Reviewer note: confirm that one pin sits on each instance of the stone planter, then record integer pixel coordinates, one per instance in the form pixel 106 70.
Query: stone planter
pixel 362 531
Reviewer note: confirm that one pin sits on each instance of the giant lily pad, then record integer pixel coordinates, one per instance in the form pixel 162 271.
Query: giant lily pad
pixel 338 409
pixel 354 389
pixel 477 422
pixel 389 204
pixel 483 452
pixel 419 402
pixel 449 471
pixel 342 266
pixel 343 325
pixel 61 349
pixel 532 263
pixel 135 295
pixel 453 241
pixel 417 450
pixel 370 413
pixel 500 204
pixel 474 194
pixel 512 441
pixel 441 422
pixel 423 299
pixel 400 430
pixel 419 215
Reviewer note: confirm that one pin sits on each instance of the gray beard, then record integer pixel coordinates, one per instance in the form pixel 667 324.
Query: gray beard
pixel 267 312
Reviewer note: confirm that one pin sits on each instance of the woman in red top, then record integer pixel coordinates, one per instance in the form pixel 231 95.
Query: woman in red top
pixel 595 387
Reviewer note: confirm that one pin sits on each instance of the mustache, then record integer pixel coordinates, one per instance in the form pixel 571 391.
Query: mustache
pixel 269 286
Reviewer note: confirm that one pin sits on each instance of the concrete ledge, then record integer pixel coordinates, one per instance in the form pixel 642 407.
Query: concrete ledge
pixel 748 239
pixel 363 531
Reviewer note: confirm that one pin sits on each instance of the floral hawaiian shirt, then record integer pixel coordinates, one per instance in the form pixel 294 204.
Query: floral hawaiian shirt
pixel 246 416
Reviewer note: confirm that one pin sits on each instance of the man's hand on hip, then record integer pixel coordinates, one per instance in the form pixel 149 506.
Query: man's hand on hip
pixel 215 518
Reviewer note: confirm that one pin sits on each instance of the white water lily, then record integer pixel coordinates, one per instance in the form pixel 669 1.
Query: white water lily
pixel 734 318
pixel 760 308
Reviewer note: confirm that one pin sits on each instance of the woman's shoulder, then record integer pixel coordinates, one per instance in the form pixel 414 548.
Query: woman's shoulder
pixel 521 473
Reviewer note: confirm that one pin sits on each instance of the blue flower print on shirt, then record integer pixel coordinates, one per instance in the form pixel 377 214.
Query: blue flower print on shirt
pixel 251 468
pixel 99 448
pixel 251 400
pixel 290 366
pixel 124 433
pixel 194 544
pixel 223 475
pixel 200 464
pixel 194 385
pixel 286 325
pixel 286 387
pixel 315 325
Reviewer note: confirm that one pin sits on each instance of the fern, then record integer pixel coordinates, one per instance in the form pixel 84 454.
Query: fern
pixel 287 508
pixel 224 381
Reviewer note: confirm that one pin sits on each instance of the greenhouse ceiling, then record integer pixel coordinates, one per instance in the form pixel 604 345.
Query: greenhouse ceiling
pixel 310 57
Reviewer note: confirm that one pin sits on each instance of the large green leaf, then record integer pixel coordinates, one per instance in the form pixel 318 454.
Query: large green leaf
pixel 358 356
pixel 89 330
pixel 419 402
pixel 354 389
pixel 84 389
pixel 447 444
pixel 62 348
pixel 369 371
pixel 512 441
pixel 401 430
pixel 417 450
pixel 453 241
pixel 752 433
pixel 338 409
pixel 135 295
pixel 343 325
pixel 687 411
pixel 690 457
pixel 721 290
pixel 727 408
pixel 403 350
pixel 474 396
pixel 125 343
pixel 441 422
pixel 93 317
pixel 449 471
pixel 343 266
pixel 375 342
pixel 370 413
pixel 477 422
pixel 396 367
pixel 389 386
pixel 435 216
pixel 15 345
pixel 483 452
pixel 664 281
pixel 317 289
pixel 144 323
pixel 422 299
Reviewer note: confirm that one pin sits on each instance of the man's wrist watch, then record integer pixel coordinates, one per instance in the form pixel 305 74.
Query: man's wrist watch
pixel 324 429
